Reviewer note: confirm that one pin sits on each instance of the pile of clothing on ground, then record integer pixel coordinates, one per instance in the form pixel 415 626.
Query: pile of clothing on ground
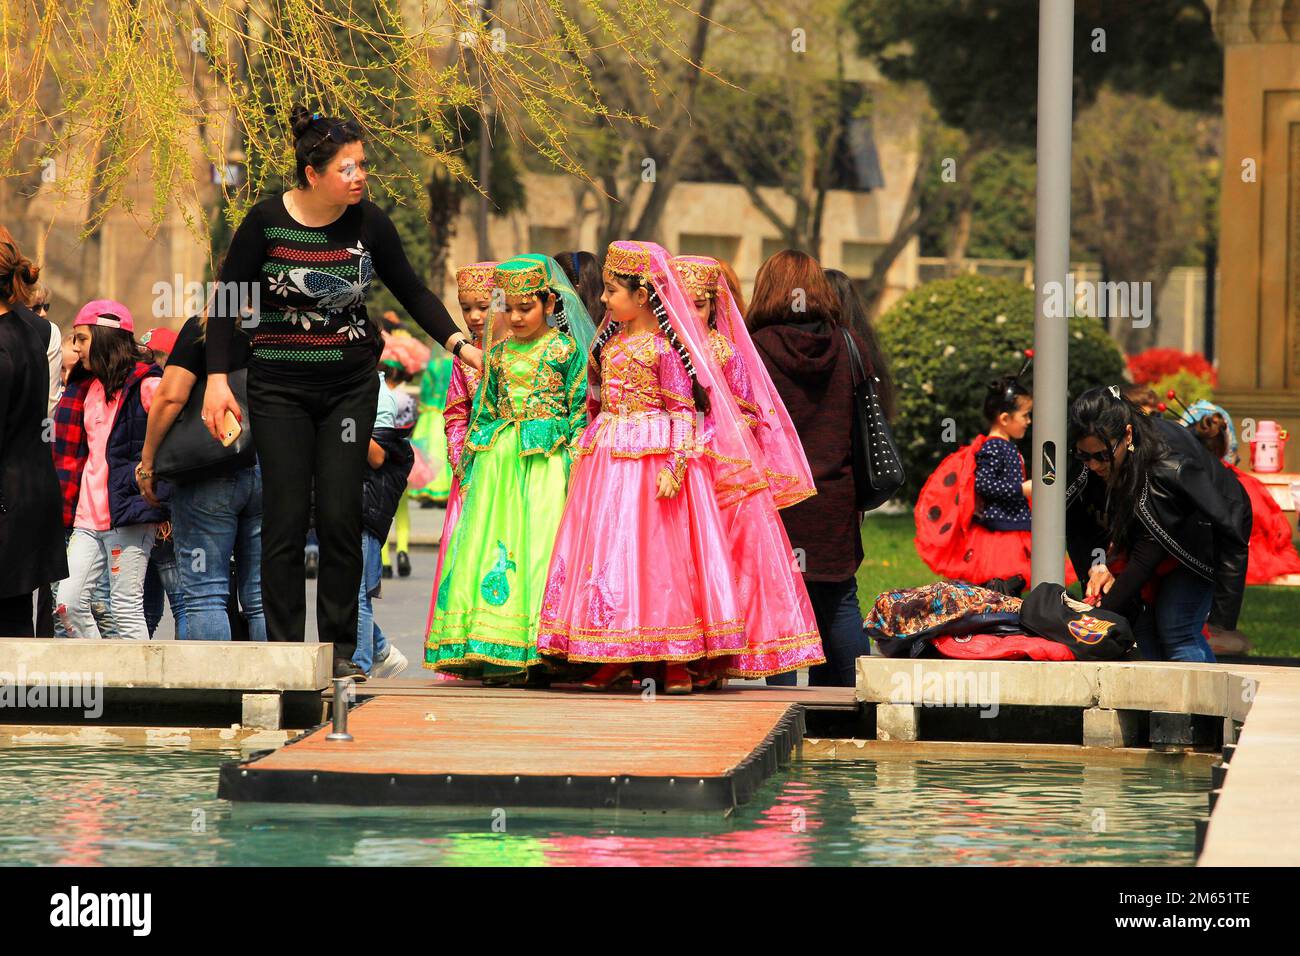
pixel 953 619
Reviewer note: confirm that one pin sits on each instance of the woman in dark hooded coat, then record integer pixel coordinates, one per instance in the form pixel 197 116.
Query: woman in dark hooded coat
pixel 31 515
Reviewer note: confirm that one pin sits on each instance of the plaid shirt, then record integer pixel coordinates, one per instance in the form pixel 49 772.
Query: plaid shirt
pixel 70 448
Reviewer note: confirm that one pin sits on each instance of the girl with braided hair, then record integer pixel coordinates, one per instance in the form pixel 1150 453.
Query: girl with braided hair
pixel 514 471
pixel 642 568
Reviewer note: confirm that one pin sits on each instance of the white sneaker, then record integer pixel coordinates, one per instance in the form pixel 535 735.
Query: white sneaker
pixel 390 666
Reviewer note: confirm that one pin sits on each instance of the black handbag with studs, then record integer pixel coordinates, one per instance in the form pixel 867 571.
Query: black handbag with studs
pixel 877 466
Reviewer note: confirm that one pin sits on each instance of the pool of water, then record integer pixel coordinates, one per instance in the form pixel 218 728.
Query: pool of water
pixel 145 807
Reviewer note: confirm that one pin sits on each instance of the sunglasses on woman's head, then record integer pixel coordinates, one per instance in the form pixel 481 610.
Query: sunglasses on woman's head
pixel 343 131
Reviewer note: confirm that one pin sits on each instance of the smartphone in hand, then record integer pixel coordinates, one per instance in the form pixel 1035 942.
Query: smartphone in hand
pixel 230 429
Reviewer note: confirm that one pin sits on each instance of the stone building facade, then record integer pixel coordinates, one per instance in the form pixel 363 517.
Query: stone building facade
pixel 1259 257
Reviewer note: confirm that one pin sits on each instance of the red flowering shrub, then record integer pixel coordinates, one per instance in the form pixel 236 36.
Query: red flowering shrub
pixel 1154 364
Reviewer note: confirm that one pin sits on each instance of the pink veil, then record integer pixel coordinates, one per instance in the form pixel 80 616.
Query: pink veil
pixel 783 457
pixel 722 435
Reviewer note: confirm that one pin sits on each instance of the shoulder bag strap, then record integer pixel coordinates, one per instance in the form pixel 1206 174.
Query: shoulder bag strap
pixel 859 373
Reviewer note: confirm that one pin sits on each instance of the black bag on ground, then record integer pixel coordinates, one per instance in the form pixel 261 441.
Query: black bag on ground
pixel 877 466
pixel 1091 633
pixel 188 452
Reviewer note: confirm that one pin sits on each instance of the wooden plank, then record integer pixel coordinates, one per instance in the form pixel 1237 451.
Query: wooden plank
pixel 813 698
pixel 543 750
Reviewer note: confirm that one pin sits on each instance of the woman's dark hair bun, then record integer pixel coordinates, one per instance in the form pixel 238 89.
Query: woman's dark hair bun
pixel 299 120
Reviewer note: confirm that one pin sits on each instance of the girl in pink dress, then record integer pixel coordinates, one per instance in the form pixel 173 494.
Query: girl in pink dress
pixel 642 566
pixel 474 290
pixel 780 626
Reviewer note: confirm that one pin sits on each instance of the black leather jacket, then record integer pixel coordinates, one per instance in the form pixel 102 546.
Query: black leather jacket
pixel 1193 505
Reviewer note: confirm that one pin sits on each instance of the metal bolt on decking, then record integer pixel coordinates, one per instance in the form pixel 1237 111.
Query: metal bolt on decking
pixel 342 690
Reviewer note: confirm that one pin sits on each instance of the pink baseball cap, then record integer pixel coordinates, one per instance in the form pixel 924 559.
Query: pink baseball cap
pixel 105 312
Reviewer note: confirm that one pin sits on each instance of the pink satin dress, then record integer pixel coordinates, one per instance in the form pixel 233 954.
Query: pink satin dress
pixel 780 627
pixel 635 577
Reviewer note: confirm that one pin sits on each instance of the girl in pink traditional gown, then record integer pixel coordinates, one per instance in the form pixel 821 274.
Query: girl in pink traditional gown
pixel 642 567
pixel 474 289
pixel 780 626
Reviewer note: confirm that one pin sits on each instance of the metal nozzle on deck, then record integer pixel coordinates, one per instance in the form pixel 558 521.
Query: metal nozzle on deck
pixel 342 691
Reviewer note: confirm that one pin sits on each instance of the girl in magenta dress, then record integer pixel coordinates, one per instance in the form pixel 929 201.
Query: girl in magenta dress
pixel 642 568
pixel 780 626
pixel 474 287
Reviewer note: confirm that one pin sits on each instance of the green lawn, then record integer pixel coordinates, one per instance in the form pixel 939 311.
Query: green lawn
pixel 1270 617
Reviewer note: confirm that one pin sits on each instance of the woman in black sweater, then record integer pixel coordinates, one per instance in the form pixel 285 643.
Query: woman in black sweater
pixel 297 274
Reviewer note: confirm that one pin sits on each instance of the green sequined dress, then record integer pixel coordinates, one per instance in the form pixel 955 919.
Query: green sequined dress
pixel 515 471
pixel 429 437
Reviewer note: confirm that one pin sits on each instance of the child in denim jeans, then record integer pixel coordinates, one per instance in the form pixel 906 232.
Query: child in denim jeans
pixel 390 459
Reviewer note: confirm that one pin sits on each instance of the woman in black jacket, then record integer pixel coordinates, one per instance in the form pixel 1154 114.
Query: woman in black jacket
pixel 31 506
pixel 1151 492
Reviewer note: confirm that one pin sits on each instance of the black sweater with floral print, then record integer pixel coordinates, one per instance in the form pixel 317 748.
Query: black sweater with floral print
pixel 309 286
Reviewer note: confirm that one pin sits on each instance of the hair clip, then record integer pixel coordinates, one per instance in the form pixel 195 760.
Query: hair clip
pixel 1029 358
pixel 1013 383
pixel 315 116
pixel 1114 390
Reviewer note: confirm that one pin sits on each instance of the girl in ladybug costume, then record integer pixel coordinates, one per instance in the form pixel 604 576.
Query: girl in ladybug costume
pixel 972 516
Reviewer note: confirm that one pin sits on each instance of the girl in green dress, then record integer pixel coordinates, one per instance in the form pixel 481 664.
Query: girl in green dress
pixel 428 436
pixel 514 474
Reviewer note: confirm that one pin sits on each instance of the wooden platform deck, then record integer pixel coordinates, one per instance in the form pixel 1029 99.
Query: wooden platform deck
pixel 465 746
pixel 812 698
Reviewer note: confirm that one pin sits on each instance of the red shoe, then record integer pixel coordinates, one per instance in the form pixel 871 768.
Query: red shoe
pixel 709 675
pixel 677 679
pixel 608 676
pixel 703 680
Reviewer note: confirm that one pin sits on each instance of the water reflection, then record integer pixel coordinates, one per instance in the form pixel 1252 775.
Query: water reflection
pixel 139 807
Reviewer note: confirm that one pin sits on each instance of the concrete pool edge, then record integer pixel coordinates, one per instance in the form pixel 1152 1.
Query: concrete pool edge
pixel 842 748
pixel 1256 818
pixel 13 736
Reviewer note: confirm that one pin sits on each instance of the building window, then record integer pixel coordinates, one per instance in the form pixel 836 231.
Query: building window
pixel 702 244
pixel 548 240
pixel 772 246
pixel 857 259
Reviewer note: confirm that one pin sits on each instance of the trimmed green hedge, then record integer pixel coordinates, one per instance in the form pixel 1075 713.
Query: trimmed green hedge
pixel 948 339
